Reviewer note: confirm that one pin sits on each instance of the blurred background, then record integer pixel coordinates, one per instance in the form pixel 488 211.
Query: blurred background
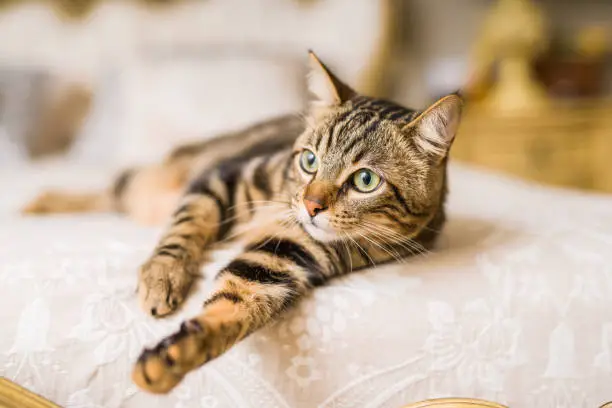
pixel 118 82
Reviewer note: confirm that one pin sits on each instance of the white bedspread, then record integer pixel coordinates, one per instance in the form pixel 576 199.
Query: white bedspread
pixel 515 306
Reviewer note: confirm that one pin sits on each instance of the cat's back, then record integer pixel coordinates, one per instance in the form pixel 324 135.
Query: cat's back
pixel 262 138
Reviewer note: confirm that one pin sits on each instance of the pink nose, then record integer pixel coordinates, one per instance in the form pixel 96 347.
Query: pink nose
pixel 313 206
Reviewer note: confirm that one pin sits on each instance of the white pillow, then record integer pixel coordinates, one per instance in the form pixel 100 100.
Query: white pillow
pixel 104 128
pixel 153 106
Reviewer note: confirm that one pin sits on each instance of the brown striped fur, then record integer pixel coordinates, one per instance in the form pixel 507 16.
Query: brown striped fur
pixel 299 228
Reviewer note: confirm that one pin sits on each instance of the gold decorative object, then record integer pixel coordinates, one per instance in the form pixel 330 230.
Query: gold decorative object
pixel 513 35
pixel 567 145
pixel 592 42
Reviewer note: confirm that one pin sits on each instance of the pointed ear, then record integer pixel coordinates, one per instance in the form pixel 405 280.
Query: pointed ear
pixel 436 127
pixel 325 86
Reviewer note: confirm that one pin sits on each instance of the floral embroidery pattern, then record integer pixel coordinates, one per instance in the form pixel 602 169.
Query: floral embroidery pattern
pixel 303 371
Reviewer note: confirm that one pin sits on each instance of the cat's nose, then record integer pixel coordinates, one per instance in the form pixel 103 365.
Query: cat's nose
pixel 313 206
pixel 317 196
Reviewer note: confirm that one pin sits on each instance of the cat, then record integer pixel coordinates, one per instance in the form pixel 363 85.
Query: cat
pixel 356 182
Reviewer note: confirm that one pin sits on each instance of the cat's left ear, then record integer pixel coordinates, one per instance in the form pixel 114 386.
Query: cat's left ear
pixel 325 86
pixel 436 127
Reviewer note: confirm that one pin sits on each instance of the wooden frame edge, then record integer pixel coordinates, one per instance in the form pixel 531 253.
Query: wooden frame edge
pixel 15 396
pixel 455 403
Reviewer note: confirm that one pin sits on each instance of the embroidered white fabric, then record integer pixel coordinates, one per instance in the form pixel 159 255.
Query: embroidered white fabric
pixel 515 306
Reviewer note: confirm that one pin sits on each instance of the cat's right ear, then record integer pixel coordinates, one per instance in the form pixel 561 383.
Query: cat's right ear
pixel 325 86
pixel 435 128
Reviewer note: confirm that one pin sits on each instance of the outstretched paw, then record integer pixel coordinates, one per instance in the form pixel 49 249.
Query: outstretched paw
pixel 163 286
pixel 160 369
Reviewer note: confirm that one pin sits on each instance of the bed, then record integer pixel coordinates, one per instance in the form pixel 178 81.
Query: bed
pixel 514 306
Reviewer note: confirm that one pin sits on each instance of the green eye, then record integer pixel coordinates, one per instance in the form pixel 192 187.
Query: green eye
pixel 365 180
pixel 309 162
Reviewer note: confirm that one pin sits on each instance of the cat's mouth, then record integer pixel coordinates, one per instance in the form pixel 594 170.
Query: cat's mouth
pixel 317 227
pixel 319 233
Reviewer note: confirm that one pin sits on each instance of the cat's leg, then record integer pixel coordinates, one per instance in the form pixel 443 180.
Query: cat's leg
pixel 151 194
pixel 165 279
pixel 205 215
pixel 238 307
pixel 148 195
pixel 252 291
pixel 58 201
pixel 65 201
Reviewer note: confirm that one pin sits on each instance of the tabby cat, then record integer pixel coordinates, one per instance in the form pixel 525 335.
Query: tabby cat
pixel 356 182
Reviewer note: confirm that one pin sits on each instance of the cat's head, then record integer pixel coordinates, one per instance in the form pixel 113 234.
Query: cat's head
pixel 367 167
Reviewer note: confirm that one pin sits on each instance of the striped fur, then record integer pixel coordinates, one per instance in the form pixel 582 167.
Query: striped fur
pixel 299 228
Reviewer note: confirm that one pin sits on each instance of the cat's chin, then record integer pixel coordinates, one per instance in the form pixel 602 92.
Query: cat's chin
pixel 320 234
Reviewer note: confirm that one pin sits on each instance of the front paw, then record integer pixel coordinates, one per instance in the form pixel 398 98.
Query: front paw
pixel 160 369
pixel 163 286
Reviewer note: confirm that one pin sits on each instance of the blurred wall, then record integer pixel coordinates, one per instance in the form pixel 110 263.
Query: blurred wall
pixel 163 75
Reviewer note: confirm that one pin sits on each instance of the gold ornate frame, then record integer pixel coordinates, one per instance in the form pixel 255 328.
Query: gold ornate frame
pixel 77 9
